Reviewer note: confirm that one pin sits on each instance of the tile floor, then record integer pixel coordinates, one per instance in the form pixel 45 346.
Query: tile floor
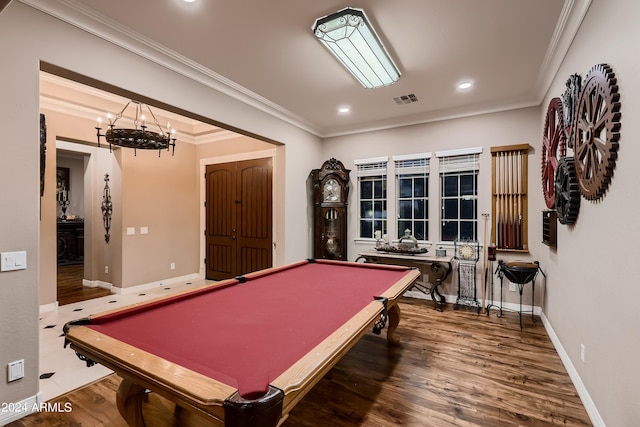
pixel 60 369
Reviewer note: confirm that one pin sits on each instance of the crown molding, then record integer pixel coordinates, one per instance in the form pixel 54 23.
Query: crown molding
pixel 73 13
pixel 86 19
pixel 571 17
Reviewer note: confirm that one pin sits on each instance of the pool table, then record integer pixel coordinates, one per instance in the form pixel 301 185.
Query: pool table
pixel 243 351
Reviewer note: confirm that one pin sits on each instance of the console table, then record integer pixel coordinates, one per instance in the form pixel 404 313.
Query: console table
pixel 70 242
pixel 439 269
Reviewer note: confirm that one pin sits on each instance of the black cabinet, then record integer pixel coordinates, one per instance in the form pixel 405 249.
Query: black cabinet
pixel 549 228
pixel 70 242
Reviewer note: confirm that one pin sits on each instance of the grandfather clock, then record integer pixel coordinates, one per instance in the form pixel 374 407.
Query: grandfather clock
pixel 330 191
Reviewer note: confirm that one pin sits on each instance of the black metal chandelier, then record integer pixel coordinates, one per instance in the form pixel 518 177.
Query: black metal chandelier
pixel 139 138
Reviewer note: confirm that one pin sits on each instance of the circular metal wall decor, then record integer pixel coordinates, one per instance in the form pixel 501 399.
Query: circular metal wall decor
pixel 567 193
pixel 553 147
pixel 569 102
pixel 597 131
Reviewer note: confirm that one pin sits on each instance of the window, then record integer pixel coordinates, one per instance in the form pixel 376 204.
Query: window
pixel 509 202
pixel 412 193
pixel 372 193
pixel 459 194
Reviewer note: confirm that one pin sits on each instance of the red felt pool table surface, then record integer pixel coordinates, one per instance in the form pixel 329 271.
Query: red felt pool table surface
pixel 245 333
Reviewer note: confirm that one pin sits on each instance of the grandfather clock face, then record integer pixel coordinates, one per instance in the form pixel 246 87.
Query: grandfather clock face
pixel 331 191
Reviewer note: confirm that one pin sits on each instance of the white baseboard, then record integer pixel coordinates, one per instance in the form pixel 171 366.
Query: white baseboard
pixel 15 411
pixel 44 308
pixel 97 284
pixel 151 285
pixel 451 299
pixel 588 403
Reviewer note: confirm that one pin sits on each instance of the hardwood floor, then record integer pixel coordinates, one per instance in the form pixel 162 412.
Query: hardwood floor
pixel 70 287
pixel 454 368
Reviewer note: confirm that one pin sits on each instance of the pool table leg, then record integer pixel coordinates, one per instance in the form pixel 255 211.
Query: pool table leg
pixel 129 399
pixel 394 320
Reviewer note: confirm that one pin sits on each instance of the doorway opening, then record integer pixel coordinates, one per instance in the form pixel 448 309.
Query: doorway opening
pixel 74 197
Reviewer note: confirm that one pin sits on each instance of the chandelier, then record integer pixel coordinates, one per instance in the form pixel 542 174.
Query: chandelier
pixel 139 138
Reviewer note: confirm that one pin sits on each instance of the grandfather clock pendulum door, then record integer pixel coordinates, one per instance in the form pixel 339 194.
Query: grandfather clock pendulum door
pixel 331 189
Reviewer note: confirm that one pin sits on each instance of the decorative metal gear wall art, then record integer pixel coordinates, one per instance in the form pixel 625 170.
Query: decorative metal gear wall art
pixel 569 102
pixel 597 131
pixel 553 147
pixel 567 193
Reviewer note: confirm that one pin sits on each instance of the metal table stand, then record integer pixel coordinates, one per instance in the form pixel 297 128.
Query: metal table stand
pixel 519 273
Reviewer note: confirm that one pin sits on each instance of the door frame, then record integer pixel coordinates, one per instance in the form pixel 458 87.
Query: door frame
pixel 203 210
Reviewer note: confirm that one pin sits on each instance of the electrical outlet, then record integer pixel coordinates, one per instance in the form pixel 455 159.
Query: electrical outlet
pixel 512 287
pixel 583 351
pixel 106 269
pixel 173 266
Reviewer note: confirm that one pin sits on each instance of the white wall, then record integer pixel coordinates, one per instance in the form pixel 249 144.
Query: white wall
pixel 486 131
pixel 592 290
pixel 28 37
pixel 590 293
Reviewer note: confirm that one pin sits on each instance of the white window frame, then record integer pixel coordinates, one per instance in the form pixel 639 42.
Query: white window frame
pixel 460 161
pixel 413 166
pixel 371 168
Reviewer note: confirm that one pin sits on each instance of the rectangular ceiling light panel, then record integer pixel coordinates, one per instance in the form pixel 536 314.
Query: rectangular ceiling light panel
pixel 349 36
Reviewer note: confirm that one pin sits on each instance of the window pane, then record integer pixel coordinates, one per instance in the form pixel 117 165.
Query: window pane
pixel 405 209
pixel 366 189
pixel 380 225
pixel 450 209
pixel 449 230
pixel 467 210
pixel 418 209
pixel 466 230
pixel 366 209
pixel 404 189
pixel 365 229
pixel 379 189
pixel 403 225
pixel 450 186
pixel 420 187
pixel 379 209
pixel 467 186
pixel 418 230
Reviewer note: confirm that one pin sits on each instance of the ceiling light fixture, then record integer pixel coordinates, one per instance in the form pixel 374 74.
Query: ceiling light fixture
pixel 351 38
pixel 139 138
pixel 465 85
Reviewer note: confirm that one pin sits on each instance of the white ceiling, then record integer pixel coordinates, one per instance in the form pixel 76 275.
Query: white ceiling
pixel 510 49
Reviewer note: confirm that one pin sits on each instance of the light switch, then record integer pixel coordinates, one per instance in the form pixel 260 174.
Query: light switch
pixel 144 230
pixel 16 370
pixel 131 231
pixel 13 261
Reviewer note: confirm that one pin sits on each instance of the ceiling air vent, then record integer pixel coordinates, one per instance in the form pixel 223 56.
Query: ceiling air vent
pixel 405 99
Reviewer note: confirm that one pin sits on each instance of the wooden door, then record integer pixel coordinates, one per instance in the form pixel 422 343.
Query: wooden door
pixel 238 217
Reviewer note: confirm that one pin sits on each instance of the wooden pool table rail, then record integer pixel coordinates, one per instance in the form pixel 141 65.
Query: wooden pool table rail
pixel 141 370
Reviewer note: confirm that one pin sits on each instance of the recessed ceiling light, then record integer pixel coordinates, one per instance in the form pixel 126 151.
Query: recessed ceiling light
pixel 344 110
pixel 188 1
pixel 465 85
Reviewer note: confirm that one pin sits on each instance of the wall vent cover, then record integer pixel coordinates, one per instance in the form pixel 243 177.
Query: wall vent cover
pixel 406 99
